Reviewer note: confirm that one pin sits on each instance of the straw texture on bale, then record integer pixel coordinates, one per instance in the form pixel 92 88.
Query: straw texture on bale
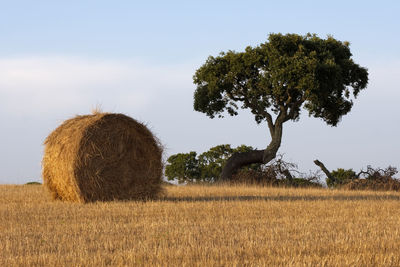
pixel 102 157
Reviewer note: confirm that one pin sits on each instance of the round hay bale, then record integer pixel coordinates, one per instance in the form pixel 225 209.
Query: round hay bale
pixel 102 157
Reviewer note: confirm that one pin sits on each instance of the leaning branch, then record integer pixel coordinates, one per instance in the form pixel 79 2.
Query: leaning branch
pixel 324 169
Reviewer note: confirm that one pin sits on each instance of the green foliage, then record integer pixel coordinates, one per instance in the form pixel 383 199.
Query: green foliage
pixel 33 183
pixel 283 73
pixel 184 167
pixel 341 176
pixel 206 167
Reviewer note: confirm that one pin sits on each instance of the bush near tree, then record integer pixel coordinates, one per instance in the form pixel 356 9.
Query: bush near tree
pixel 370 179
pixel 207 167
pixel 340 177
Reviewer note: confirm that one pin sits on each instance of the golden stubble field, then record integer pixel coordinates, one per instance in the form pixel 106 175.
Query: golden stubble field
pixel 203 226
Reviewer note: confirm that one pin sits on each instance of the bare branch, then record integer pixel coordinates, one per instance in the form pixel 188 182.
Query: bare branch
pixel 361 172
pixel 324 169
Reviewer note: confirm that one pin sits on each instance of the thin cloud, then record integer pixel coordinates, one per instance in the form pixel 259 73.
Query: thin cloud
pixel 58 84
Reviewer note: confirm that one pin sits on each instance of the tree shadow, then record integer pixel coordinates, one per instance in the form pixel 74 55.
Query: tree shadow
pixel 279 198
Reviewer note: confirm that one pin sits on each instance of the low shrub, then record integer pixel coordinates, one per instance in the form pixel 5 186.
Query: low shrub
pixel 33 183
pixel 341 177
pixel 375 179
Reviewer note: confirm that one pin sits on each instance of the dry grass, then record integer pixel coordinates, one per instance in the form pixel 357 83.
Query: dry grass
pixel 203 226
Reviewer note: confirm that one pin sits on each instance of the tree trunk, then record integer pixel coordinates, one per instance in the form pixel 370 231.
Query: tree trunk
pixel 239 160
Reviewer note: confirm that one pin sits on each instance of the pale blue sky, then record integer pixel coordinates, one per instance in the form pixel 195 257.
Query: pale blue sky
pixel 61 58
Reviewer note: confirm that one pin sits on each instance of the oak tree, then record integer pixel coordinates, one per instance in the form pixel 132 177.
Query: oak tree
pixel 275 81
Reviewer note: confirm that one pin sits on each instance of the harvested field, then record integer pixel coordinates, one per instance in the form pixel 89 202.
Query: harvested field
pixel 203 226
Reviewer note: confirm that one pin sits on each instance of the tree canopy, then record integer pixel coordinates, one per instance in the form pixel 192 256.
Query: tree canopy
pixel 282 74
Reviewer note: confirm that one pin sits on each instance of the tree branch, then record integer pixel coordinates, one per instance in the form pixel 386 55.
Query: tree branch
pixel 284 170
pixel 281 116
pixel 361 172
pixel 294 107
pixel 264 113
pixel 271 126
pixel 230 95
pixel 324 169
